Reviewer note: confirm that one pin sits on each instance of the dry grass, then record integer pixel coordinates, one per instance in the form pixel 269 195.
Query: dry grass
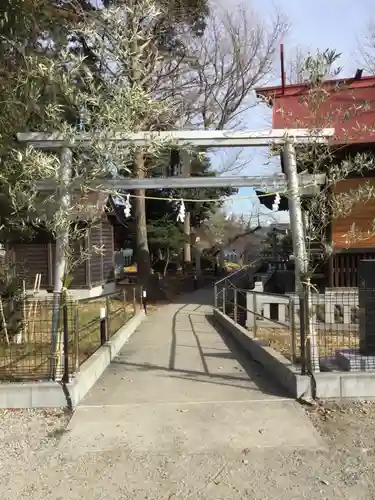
pixel 329 342
pixel 30 359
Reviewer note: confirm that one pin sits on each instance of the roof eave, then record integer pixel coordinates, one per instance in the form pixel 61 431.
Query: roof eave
pixel 274 91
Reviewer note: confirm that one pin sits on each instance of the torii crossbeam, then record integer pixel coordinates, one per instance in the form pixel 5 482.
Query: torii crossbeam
pixel 288 138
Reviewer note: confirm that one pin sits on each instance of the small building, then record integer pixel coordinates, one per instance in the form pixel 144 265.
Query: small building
pixel 92 274
pixel 348 107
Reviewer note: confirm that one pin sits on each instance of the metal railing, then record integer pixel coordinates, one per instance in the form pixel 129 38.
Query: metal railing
pixel 31 348
pixel 231 281
pixel 317 332
pixel 276 326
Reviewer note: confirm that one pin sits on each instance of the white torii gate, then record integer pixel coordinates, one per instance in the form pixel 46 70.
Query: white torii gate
pixel 287 138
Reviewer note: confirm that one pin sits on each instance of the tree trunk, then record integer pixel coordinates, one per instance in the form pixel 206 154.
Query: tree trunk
pixel 142 250
pixel 167 257
pixel 221 259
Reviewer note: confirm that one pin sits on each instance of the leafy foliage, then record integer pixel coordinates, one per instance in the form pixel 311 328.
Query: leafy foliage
pixel 123 66
pixel 165 235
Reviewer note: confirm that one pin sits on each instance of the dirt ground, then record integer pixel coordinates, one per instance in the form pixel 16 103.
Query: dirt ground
pixel 29 438
pixel 349 429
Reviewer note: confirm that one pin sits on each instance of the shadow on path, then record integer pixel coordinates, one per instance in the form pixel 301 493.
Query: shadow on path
pixel 230 352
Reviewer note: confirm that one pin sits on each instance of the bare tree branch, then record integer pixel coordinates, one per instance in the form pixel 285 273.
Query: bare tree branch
pixel 219 70
pixel 367 49
pixel 236 55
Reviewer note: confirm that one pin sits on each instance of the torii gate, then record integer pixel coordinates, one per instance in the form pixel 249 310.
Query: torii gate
pixel 287 138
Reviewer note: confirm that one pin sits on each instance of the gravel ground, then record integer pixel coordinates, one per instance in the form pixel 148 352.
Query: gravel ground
pixel 349 430
pixel 29 440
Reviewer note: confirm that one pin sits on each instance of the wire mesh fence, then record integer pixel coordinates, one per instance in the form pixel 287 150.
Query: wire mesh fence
pixel 333 329
pixel 268 317
pixel 327 331
pixel 43 339
pixel 32 335
pixel 113 310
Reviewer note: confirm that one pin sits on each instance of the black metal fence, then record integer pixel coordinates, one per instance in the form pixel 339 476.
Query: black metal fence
pixel 45 340
pixel 318 332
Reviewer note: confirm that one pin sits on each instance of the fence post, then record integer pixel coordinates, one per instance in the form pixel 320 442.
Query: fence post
pixel 302 328
pixel 77 362
pixel 224 299
pixel 235 305
pixel 108 318
pixel 65 377
pixel 134 301
pixel 102 325
pixel 215 295
pixel 144 299
pixel 292 321
pixel 255 304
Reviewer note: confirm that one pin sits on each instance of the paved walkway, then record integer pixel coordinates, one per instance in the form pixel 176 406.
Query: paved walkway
pixel 181 415
pixel 179 410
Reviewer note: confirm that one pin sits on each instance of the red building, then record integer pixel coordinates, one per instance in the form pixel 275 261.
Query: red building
pixel 348 106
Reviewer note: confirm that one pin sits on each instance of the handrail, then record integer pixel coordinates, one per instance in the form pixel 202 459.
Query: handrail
pixel 259 315
pixel 269 294
pixel 231 275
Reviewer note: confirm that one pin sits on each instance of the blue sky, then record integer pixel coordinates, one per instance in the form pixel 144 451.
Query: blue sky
pixel 335 24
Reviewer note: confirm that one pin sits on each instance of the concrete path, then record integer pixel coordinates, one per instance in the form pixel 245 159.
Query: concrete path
pixel 181 414
pixel 179 379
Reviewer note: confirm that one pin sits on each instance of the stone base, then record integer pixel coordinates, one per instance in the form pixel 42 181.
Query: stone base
pixel 351 360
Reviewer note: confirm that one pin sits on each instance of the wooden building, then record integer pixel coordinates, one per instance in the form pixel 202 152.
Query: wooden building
pixel 348 106
pixel 90 276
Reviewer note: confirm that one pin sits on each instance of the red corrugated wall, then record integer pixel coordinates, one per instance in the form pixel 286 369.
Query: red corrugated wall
pixel 349 107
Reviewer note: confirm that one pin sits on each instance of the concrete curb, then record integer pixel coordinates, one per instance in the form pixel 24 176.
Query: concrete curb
pixel 327 385
pixel 51 394
pixel 277 365
pixel 341 385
